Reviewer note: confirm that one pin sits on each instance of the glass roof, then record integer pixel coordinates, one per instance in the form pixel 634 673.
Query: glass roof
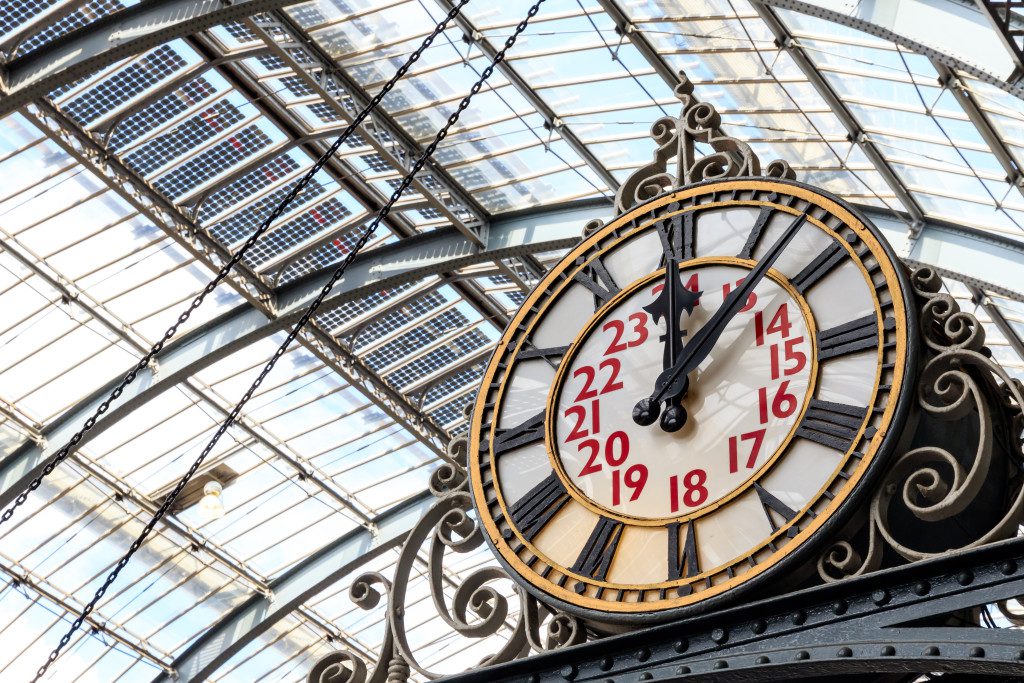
pixel 220 125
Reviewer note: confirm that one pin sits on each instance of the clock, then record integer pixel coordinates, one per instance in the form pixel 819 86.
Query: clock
pixel 692 400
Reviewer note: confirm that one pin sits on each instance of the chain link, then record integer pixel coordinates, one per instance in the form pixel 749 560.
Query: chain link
pixel 67 449
pixel 338 273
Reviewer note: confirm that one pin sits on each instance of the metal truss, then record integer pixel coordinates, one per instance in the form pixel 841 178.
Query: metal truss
pixel 339 91
pixel 1015 88
pixel 123 34
pixel 321 570
pixel 895 621
pixel 1004 18
pixel 413 259
pixel 535 100
pixel 178 226
pixel 784 39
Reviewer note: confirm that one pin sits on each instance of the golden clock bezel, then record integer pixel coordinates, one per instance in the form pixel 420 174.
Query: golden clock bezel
pixel 627 291
pixel 824 511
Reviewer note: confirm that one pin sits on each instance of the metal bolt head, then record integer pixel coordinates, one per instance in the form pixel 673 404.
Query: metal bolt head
pixel 803 654
pixel 840 606
pixel 1008 567
pixel 977 651
pixel 844 652
pixel 683 670
pixel 719 635
pixel 931 651
pixel 760 626
pixel 888 651
pixel 965 577
pixel 643 654
pixel 762 660
pixel 606 663
pixel 681 645
pixel 798 617
pixel 921 588
pixel 646 676
pixel 569 672
pixel 721 664
pixel 880 597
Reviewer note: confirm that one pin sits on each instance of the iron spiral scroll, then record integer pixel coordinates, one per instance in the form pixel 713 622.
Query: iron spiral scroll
pixel 478 608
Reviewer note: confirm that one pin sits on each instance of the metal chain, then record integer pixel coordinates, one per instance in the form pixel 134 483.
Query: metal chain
pixel 64 452
pixel 338 273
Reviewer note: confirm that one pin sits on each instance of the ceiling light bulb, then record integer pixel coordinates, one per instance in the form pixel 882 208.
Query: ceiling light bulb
pixel 212 503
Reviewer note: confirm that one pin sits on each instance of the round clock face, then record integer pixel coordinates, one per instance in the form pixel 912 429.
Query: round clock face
pixel 691 398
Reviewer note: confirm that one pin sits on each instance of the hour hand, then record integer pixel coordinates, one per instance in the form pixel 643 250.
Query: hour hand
pixel 673 299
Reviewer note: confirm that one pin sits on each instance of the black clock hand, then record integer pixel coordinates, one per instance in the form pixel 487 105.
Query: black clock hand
pixel 671 381
pixel 673 299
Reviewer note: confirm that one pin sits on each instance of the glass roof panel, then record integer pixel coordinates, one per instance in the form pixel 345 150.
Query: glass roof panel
pixel 315 454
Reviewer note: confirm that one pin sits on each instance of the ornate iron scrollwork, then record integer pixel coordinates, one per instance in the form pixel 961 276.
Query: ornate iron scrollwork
pixel 684 139
pixel 477 610
pixel 960 482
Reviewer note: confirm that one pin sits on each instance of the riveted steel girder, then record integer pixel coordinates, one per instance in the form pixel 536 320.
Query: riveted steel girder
pixel 123 34
pixel 886 621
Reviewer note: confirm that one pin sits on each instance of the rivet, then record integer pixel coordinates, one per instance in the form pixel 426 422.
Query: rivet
pixel 721 664
pixel 921 588
pixel 719 635
pixel 762 660
pixel 931 651
pixel 1020 655
pixel 646 676
pixel 888 651
pixel 760 626
pixel 681 645
pixel 683 670
pixel 977 652
pixel 1008 567
pixel 580 587
pixel 844 652
pixel 506 534
pixel 569 672
pixel 880 597
pixel 606 663
pixel 840 606
pixel 803 654
pixel 965 577
pixel 798 617
pixel 643 654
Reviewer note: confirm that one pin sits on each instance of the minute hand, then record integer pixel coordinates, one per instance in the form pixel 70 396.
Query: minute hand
pixel 672 380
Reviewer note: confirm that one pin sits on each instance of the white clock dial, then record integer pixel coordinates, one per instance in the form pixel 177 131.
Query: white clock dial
pixel 594 487
pixel 745 399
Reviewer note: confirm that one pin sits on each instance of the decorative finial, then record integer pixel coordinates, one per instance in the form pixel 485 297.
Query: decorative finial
pixel 677 138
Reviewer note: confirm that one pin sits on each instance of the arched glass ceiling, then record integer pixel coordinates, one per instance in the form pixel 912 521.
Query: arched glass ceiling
pixel 124 189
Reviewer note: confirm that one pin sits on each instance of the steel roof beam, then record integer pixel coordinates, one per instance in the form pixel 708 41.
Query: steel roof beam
pixel 1002 18
pixel 1015 88
pixel 981 121
pixel 123 34
pixel 321 570
pixel 535 100
pixel 339 91
pixel 784 39
pixel 433 253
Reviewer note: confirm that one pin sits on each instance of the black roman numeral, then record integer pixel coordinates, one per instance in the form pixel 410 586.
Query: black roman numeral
pixel 676 233
pixel 755 233
pixel 531 512
pixel 597 554
pixel 850 337
pixel 529 431
pixel 832 424
pixel 682 564
pixel 595 277
pixel 551 354
pixel 772 504
pixel 830 257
